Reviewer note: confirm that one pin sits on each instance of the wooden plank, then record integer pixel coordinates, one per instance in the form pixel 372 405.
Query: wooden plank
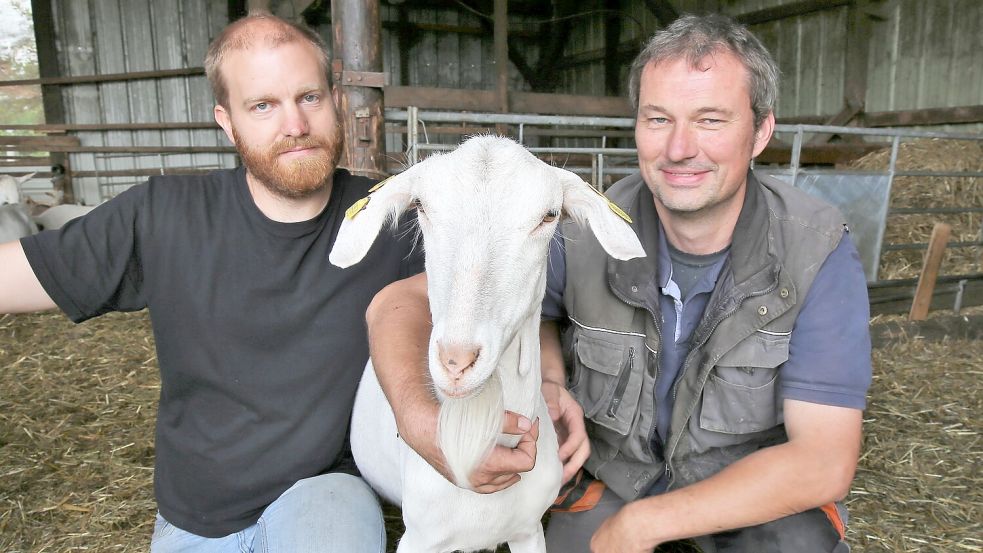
pixel 894 297
pixel 790 9
pixel 819 154
pixel 38 141
pixel 930 272
pixel 929 116
pixel 662 10
pixel 108 77
pixel 501 56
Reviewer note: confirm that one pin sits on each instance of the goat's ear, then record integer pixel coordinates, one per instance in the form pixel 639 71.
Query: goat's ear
pixel 609 223
pixel 365 218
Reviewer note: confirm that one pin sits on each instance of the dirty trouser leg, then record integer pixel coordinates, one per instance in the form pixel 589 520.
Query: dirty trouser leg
pixel 810 532
pixel 570 532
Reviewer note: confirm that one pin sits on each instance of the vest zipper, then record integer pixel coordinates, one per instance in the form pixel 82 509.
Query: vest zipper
pixel 619 391
pixel 675 386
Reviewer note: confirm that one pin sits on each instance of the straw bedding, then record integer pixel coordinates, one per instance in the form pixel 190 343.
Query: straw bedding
pixel 77 405
pixel 932 192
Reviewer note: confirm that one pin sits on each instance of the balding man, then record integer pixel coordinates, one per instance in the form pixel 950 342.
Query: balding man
pixel 260 341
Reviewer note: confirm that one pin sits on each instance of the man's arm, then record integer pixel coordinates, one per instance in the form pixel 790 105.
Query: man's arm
pixel 20 290
pixel 567 415
pixel 399 327
pixel 815 467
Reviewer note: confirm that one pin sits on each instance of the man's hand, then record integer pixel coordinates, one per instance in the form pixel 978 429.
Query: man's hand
pixel 619 534
pixel 568 419
pixel 503 466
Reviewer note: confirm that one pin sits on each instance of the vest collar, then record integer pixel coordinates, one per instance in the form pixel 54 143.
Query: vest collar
pixel 751 254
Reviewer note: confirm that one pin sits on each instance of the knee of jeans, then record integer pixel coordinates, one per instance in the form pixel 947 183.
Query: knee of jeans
pixel 333 488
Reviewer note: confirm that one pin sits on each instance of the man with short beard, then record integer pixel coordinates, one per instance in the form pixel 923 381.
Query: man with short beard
pixel 260 340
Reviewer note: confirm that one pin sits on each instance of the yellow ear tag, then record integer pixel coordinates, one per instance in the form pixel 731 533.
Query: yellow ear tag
pixel 357 207
pixel 614 207
pixel 379 184
pixel 618 211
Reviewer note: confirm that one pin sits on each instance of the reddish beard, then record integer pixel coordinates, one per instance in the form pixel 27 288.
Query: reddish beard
pixel 299 178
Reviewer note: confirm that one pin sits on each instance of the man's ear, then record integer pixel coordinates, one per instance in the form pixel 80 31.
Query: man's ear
pixel 763 134
pixel 336 96
pixel 224 121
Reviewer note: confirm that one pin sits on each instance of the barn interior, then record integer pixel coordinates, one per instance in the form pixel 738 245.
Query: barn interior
pixel 880 112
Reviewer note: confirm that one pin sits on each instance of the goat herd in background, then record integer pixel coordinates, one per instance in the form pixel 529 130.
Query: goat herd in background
pixel 20 217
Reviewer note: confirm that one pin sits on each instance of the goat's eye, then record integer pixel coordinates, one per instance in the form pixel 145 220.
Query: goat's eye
pixel 551 216
pixel 418 205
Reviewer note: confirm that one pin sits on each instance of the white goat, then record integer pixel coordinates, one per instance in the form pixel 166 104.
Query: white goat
pixel 487 212
pixel 15 222
pixel 10 188
pixel 56 216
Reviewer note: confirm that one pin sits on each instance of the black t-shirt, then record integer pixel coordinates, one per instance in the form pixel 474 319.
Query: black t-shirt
pixel 260 340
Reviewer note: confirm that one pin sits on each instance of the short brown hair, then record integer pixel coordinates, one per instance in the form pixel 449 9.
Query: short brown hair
pixel 239 36
pixel 693 37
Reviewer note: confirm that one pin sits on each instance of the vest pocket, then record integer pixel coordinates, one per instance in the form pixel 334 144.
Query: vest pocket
pixel 606 381
pixel 741 394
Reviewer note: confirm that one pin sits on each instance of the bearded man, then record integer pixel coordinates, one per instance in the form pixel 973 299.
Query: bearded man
pixel 260 340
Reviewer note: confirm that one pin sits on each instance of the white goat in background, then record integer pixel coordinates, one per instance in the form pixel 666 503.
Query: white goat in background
pixel 10 188
pixel 487 212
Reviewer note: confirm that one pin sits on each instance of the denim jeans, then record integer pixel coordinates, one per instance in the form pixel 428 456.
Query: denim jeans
pixel 331 513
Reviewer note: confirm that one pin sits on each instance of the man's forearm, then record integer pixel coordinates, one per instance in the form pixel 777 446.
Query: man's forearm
pixel 551 353
pixel 808 471
pixel 401 313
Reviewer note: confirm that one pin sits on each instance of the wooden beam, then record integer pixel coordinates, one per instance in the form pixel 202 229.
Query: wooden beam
pixel 930 272
pixel 90 127
pixel 459 99
pixel 894 296
pixel 857 49
pixel 612 50
pixel 48 68
pixel 663 11
pixel 792 9
pixel 501 36
pixel 928 116
pixel 819 154
pixel 108 77
pixel 847 114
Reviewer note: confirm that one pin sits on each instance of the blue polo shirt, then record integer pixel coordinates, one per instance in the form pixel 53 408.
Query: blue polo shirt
pixel 829 349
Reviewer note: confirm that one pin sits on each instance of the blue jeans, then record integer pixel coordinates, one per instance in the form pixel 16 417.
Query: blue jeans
pixel 331 513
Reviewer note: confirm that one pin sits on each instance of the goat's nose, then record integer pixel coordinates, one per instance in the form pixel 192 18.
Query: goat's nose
pixel 457 358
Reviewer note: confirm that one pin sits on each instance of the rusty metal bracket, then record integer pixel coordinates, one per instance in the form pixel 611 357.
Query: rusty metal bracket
pixel 345 77
pixel 363 78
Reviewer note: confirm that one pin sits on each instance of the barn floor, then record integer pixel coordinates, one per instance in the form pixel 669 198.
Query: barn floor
pixel 77 405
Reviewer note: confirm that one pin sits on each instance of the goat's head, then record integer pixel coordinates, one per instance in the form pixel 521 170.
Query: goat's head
pixel 10 192
pixel 487 211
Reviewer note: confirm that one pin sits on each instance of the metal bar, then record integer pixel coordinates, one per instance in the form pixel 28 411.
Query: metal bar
pixel 514 119
pixel 548 150
pixel 925 210
pixel 886 131
pixel 413 136
pixel 957 174
pixel 924 245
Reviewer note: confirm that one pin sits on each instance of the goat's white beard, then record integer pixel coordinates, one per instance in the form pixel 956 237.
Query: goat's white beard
pixel 467 429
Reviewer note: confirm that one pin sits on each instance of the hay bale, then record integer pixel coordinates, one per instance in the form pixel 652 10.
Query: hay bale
pixel 923 192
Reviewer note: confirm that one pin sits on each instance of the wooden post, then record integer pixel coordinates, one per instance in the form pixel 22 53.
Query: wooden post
pixel 54 109
pixel 357 70
pixel 930 271
pixel 502 55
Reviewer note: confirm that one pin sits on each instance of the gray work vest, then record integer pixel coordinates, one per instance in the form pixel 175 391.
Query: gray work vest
pixel 726 397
